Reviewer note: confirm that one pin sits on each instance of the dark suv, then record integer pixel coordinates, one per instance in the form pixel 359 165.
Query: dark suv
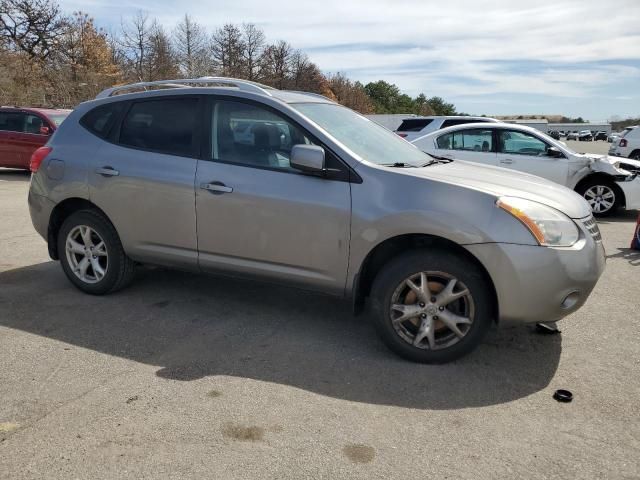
pixel 23 131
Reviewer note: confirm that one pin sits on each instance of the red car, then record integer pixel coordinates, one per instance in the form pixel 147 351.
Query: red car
pixel 23 130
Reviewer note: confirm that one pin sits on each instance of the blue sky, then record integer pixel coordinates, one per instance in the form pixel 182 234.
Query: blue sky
pixel 578 58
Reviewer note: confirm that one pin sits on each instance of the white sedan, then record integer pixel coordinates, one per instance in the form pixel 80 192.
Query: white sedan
pixel 607 183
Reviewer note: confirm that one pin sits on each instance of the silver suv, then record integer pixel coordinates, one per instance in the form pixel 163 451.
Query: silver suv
pixel 231 177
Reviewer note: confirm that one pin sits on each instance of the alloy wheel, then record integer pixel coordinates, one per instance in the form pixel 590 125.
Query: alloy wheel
pixel 86 254
pixel 432 310
pixel 601 198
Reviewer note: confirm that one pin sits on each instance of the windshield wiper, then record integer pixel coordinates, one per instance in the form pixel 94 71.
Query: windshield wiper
pixel 436 159
pixel 398 165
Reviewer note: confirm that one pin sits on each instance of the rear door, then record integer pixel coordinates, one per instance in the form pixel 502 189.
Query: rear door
pixel 143 175
pixel 31 138
pixel 473 145
pixel 11 127
pixel 258 216
pixel 525 152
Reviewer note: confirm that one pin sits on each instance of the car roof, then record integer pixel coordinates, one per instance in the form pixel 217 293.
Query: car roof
pixel 481 125
pixel 452 117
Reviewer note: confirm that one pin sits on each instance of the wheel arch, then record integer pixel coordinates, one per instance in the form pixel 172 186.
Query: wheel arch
pixel 603 177
pixel 60 213
pixel 634 153
pixel 388 249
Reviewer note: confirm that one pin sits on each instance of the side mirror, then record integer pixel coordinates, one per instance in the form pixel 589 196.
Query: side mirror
pixel 554 152
pixel 45 130
pixel 307 158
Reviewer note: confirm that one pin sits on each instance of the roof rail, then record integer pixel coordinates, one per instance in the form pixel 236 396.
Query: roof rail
pixel 244 85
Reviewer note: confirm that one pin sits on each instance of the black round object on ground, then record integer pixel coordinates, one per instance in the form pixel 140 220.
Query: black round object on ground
pixel 564 396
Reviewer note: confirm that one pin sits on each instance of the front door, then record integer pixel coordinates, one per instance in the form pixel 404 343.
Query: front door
pixel 526 152
pixel 258 216
pixel 143 178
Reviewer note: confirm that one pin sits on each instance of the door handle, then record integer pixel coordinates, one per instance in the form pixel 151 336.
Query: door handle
pixel 107 172
pixel 507 161
pixel 216 187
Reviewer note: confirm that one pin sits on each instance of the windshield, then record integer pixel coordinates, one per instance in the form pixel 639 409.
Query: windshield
pixel 58 118
pixel 365 138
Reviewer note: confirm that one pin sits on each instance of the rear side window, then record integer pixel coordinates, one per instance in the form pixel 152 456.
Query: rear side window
pixel 476 140
pixel 164 126
pixel 100 120
pixel 12 121
pixel 414 124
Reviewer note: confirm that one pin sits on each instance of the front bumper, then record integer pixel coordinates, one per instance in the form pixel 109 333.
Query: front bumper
pixel 631 192
pixel 532 282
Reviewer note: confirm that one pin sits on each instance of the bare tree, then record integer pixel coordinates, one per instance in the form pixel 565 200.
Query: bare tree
pixel 32 26
pixel 161 62
pixel 275 65
pixel 190 43
pixel 227 50
pixel 253 42
pixel 136 43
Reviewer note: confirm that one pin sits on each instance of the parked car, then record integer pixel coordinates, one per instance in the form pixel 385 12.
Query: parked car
pixel 613 136
pixel 604 181
pixel 23 130
pixel 322 198
pixel 628 144
pixel 554 134
pixel 601 135
pixel 572 136
pixel 415 127
pixel 585 136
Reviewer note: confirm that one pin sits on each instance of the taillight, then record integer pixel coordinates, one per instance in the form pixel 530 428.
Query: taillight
pixel 38 156
pixel 623 143
pixel 403 135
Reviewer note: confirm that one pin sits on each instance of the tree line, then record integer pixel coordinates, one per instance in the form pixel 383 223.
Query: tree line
pixel 50 58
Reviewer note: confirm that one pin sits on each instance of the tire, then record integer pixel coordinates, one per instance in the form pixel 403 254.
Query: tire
pixel 107 253
pixel 442 266
pixel 635 155
pixel 596 191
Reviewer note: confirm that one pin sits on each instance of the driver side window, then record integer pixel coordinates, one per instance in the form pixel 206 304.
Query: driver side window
pixel 521 143
pixel 245 134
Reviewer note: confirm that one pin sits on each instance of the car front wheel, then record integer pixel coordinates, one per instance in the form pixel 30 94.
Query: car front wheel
pixel 431 306
pixel 91 253
pixel 601 196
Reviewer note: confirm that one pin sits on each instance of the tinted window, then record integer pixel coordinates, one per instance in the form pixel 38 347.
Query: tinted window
pixel 100 120
pixel 414 124
pixel 166 126
pixel 250 135
pixel 521 143
pixel 12 121
pixel 477 140
pixel 461 121
pixel 33 124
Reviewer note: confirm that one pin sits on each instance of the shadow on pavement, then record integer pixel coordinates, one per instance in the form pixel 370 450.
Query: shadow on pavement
pixel 192 326
pixel 629 254
pixel 10 175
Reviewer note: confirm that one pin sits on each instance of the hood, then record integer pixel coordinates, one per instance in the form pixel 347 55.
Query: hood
pixel 503 182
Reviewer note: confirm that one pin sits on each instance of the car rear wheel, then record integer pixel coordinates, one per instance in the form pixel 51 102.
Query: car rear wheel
pixel 91 254
pixel 431 306
pixel 602 197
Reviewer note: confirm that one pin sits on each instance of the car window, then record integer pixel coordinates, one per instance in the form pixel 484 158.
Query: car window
pixel 58 118
pixel 166 125
pixel 414 124
pixel 250 135
pixel 100 120
pixel 521 143
pixel 33 124
pixel 12 121
pixel 459 121
pixel 477 140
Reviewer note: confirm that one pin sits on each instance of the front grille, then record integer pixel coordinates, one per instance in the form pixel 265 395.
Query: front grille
pixel 592 227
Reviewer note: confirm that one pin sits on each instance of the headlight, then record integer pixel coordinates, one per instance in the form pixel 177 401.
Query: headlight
pixel 549 226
